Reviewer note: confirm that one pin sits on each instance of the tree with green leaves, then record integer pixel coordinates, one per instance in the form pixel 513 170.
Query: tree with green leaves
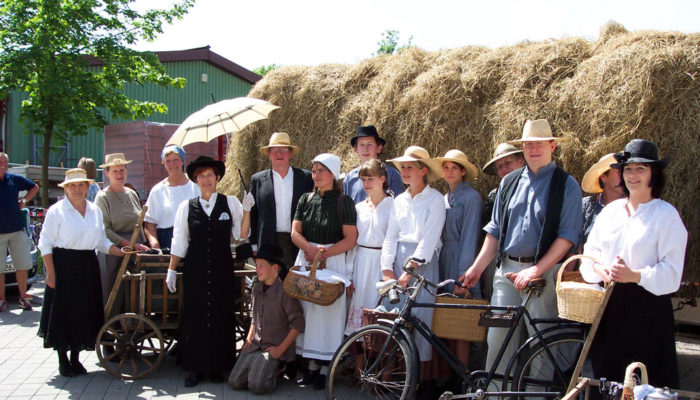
pixel 389 44
pixel 45 51
pixel 262 70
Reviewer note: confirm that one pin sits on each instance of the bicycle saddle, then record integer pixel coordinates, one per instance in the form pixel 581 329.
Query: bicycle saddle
pixel 537 283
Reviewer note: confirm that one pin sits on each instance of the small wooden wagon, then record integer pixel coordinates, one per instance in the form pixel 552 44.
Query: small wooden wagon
pixel 132 344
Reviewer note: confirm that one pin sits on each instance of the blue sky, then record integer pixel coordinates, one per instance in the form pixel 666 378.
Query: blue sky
pixel 287 32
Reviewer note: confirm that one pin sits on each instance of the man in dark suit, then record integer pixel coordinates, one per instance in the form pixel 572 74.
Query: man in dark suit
pixel 276 192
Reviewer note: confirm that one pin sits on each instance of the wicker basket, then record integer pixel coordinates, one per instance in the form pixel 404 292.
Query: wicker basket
pixel 374 343
pixel 458 324
pixel 310 289
pixel 577 304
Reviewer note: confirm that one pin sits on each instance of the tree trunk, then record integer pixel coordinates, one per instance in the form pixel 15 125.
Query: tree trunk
pixel 45 152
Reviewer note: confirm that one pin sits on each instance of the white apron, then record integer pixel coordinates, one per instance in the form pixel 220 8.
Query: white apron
pixel 324 324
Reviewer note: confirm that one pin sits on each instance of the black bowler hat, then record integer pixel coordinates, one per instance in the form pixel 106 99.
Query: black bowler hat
pixel 367 131
pixel 273 254
pixel 206 161
pixel 639 151
pixel 244 251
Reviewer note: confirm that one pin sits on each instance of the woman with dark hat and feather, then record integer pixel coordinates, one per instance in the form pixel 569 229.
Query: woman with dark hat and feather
pixel 202 236
pixel 638 242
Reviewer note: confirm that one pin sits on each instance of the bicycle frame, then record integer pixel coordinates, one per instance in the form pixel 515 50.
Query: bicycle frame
pixel 405 316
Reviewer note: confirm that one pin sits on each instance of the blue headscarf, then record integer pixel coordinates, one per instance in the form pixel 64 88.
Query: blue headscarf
pixel 173 149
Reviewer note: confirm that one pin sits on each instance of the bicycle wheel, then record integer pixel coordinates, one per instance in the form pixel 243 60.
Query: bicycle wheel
pixel 537 372
pixel 360 367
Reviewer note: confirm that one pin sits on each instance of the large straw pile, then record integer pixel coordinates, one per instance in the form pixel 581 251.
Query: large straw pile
pixel 598 94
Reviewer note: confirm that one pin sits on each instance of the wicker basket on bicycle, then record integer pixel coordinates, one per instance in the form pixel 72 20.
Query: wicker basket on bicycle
pixel 577 303
pixel 459 324
pixel 311 289
pixel 372 316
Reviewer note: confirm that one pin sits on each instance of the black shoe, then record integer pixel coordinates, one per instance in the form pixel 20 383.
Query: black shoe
pixel 320 382
pixel 308 378
pixel 193 379
pixel 67 371
pixel 290 371
pixel 78 368
pixel 217 377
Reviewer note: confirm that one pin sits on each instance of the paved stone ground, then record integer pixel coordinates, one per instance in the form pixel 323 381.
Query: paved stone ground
pixel 28 371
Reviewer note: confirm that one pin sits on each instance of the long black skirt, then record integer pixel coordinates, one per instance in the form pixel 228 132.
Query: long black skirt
pixel 207 328
pixel 72 313
pixel 637 326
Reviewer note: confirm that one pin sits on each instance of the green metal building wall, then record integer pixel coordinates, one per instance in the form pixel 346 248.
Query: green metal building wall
pixel 181 103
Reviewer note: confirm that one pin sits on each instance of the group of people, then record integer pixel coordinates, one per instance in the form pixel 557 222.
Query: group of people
pixel 363 231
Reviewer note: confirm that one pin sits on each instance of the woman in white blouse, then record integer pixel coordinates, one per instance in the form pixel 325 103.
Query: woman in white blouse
pixel 202 236
pixel 365 258
pixel 166 196
pixel 414 230
pixel 639 243
pixel 72 313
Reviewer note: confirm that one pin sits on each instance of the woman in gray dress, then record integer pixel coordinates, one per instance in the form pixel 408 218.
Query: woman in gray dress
pixel 120 208
pixel 462 232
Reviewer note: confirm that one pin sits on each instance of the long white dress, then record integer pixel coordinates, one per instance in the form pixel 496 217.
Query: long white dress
pixel 364 260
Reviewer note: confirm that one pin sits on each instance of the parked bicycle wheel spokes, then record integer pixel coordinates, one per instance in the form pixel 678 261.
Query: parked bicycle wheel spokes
pixel 370 362
pixel 538 373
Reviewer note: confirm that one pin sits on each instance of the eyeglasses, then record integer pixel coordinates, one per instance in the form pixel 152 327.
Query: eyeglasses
pixel 279 150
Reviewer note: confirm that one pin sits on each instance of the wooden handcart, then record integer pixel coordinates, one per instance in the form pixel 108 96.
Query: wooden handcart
pixel 140 336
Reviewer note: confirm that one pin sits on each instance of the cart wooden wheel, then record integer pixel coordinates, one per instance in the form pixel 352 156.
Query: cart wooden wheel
pixel 130 346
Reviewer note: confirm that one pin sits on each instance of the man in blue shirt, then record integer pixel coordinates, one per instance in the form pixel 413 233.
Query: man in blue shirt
pixel 368 145
pixel 12 234
pixel 527 244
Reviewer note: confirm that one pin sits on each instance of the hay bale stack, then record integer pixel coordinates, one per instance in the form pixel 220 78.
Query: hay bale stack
pixel 599 94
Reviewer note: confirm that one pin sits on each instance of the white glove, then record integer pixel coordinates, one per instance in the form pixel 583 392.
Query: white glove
pixel 171 280
pixel 248 201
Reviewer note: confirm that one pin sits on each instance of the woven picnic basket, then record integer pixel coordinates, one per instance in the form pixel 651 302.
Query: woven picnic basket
pixel 577 304
pixel 310 289
pixel 458 324
pixel 374 343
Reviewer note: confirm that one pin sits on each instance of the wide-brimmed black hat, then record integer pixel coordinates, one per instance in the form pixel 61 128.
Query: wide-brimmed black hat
pixel 639 151
pixel 367 131
pixel 273 254
pixel 206 161
pixel 243 252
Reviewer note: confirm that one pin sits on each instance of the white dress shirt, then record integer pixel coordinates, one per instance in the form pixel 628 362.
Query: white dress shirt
pixel 164 199
pixel 64 227
pixel 181 231
pixel 651 241
pixel 284 189
pixel 418 219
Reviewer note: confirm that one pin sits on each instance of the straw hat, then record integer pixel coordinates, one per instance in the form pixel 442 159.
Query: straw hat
pixel 76 175
pixel 279 139
pixel 591 181
pixel 503 150
pixel 457 156
pixel 536 131
pixel 330 161
pixel 115 159
pixel 416 153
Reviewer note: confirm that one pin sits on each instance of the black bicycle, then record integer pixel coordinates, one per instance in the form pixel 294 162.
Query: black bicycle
pixel 381 360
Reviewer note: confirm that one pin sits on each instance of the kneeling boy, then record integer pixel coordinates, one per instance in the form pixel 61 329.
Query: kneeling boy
pixel 277 320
